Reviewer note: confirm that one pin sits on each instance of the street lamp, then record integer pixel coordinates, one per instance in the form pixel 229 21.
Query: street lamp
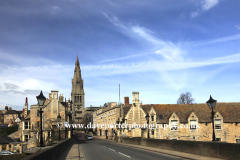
pixel 59 120
pixel 147 118
pixel 211 103
pixel 41 99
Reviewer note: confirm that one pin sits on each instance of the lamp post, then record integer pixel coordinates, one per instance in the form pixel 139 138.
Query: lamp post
pixel 211 103
pixel 147 118
pixel 41 99
pixel 59 120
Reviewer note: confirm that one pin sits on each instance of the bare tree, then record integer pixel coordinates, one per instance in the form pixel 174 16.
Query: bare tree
pixel 185 98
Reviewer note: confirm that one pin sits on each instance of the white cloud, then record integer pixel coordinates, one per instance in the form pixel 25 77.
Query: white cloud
pixel 195 13
pixel 238 26
pixel 223 39
pixel 56 8
pixel 207 4
pixel 10 86
pixel 167 49
pixel 204 6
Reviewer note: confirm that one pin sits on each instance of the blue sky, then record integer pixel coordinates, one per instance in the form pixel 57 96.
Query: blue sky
pixel 157 47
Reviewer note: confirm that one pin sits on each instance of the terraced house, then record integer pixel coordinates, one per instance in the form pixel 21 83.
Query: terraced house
pixel 109 116
pixel 184 121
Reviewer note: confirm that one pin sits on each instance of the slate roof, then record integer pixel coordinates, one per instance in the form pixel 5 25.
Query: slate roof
pixel 11 112
pixel 65 104
pixel 6 140
pixel 126 109
pixel 229 111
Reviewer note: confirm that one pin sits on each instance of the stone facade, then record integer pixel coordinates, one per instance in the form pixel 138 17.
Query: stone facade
pixel 52 108
pixel 107 117
pixel 77 95
pixel 192 122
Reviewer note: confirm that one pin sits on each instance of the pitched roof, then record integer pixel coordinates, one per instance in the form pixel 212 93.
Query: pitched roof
pixel 65 104
pixel 11 112
pixel 126 108
pixel 5 140
pixel 229 111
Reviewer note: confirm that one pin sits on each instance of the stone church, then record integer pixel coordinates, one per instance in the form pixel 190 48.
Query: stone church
pixel 77 95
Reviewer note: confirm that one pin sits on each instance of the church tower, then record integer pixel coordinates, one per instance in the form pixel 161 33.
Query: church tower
pixel 77 94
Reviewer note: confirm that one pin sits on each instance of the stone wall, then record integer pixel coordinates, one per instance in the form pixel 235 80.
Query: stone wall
pixel 212 149
pixel 52 153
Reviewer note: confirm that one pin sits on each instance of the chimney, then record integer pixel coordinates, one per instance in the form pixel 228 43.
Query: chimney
pixel 10 108
pixel 50 96
pixel 61 98
pixel 6 108
pixel 126 101
pixel 26 107
pixel 135 98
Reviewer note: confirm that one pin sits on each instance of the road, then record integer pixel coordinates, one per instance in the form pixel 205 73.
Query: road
pixel 98 149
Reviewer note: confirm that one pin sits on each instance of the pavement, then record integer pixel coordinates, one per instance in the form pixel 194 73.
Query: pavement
pixel 101 148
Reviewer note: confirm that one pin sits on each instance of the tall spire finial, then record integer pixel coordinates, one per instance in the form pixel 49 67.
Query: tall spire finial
pixel 26 100
pixel 77 61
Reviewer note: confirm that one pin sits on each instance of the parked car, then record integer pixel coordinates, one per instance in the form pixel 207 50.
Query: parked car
pixel 6 152
pixel 89 137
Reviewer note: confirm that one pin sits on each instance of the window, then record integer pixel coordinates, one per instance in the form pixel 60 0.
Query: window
pixel 7 120
pixel 152 118
pixel 237 140
pixel 49 134
pixel 217 123
pixel 218 139
pixel 38 113
pixel 26 125
pixel 38 124
pixel 80 99
pixel 193 124
pixel 174 125
pixel 194 137
pixel 152 131
pixel 26 138
pixel 7 115
pixel 15 148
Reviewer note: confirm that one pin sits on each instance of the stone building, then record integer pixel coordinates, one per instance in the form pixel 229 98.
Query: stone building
pixel 88 113
pixel 9 114
pixel 107 117
pixel 53 107
pixel 184 121
pixel 77 95
pixel 29 127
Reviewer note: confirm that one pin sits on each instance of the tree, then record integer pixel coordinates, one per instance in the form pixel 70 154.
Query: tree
pixel 185 98
pixel 9 130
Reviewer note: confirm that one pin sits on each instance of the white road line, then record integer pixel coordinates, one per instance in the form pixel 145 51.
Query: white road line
pixel 124 154
pixel 111 149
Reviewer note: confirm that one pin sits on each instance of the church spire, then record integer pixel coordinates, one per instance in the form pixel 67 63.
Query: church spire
pixel 77 62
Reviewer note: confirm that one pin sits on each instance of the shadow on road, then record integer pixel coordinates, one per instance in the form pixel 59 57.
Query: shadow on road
pixel 78 138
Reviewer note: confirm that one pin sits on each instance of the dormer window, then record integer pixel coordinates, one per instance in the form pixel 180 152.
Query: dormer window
pixel 174 124
pixel 217 123
pixel 193 124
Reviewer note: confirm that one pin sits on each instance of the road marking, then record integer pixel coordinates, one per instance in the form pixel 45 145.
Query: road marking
pixel 124 154
pixel 111 149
